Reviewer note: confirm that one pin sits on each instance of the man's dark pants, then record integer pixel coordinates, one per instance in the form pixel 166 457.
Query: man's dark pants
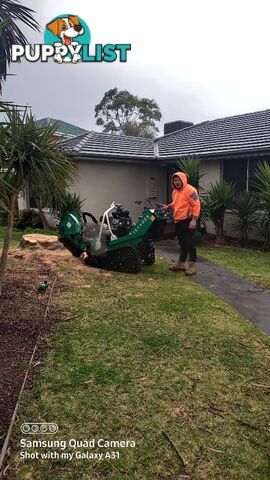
pixel 186 240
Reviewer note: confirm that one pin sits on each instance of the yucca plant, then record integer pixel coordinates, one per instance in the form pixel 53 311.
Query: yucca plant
pixel 29 153
pixel 5 184
pixel 13 13
pixel 68 203
pixel 215 203
pixel 263 228
pixel 192 167
pixel 245 211
pixel 262 186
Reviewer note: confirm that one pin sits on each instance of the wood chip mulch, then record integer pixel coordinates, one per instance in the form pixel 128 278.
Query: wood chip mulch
pixel 22 310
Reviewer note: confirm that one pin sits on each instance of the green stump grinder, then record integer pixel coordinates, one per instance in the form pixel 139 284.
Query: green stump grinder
pixel 114 243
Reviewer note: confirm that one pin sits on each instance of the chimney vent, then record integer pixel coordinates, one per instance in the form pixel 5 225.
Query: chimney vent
pixel 171 127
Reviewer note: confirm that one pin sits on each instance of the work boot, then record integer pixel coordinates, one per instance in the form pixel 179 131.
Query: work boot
pixel 191 270
pixel 179 266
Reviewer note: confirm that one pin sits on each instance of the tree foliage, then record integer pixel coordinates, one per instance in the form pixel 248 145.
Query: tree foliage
pixel 192 167
pixel 32 152
pixel 262 185
pixel 12 13
pixel 68 203
pixel 123 113
pixel 29 153
pixel 245 210
pixel 217 200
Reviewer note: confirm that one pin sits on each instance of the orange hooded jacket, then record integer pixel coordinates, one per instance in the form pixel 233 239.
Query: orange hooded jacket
pixel 185 201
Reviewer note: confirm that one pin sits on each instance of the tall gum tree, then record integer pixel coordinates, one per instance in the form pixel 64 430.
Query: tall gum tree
pixel 123 113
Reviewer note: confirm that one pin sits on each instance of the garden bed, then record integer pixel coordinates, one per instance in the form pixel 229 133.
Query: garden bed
pixel 21 322
pixel 209 240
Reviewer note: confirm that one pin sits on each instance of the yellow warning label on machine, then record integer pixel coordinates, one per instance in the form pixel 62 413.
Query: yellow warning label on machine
pixel 152 218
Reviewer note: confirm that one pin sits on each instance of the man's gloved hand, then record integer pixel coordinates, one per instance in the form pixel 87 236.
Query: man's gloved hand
pixel 165 207
pixel 193 224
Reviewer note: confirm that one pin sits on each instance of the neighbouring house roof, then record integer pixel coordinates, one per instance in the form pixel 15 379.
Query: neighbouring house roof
pixel 65 129
pixel 239 134
pixel 111 145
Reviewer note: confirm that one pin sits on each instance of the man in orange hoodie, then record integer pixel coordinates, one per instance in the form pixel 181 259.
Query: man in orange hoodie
pixel 186 207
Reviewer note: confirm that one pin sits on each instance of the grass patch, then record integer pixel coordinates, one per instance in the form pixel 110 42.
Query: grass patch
pixel 148 354
pixel 250 264
pixel 17 234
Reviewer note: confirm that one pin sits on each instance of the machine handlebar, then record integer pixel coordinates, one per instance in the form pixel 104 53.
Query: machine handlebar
pixel 87 214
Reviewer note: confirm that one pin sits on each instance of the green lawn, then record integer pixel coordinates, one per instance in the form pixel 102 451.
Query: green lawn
pixel 253 265
pixel 156 359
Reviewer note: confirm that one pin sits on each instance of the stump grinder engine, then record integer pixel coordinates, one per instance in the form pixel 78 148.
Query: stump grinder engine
pixel 114 243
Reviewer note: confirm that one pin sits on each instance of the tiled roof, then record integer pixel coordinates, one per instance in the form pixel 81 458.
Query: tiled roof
pixel 64 128
pixel 225 136
pixel 109 145
pixel 240 133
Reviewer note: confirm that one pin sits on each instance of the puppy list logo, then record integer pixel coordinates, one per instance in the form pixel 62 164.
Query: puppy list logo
pixel 67 39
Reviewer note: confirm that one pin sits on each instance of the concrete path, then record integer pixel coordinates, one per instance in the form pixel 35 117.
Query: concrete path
pixel 249 299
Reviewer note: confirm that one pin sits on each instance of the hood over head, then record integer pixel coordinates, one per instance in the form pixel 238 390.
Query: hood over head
pixel 182 177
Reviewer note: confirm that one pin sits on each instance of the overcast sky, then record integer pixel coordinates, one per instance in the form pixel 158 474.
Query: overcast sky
pixel 200 60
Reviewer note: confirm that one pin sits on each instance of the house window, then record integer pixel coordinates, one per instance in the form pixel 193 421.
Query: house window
pixel 236 171
pixel 152 188
pixel 253 164
pixel 242 172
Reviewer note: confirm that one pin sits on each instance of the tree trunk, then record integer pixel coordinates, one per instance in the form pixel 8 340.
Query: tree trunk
pixel 16 207
pixel 8 237
pixel 244 240
pixel 219 231
pixel 46 225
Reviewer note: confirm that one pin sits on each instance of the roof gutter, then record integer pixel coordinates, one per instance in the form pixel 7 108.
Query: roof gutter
pixel 115 158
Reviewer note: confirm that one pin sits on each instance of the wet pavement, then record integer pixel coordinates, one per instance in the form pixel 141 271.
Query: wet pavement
pixel 250 300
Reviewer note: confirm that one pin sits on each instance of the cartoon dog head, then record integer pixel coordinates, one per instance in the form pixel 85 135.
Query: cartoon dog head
pixel 66 28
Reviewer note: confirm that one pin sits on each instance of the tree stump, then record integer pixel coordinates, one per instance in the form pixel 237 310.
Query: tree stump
pixel 37 240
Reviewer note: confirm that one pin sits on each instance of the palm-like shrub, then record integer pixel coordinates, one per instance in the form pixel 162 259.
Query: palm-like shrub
pixel 5 190
pixel 245 211
pixel 192 167
pixel 68 203
pixel 29 153
pixel 28 219
pixel 263 228
pixel 12 12
pixel 217 200
pixel 262 185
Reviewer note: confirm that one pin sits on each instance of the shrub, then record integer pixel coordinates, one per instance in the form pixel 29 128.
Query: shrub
pixel 217 200
pixel 245 210
pixel 69 203
pixel 3 219
pixel 192 167
pixel 198 237
pixel 263 228
pixel 262 185
pixel 28 219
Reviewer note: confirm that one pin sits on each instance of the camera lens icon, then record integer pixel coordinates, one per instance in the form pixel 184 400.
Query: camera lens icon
pixel 39 428
pixel 53 428
pixel 25 428
pixel 44 428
